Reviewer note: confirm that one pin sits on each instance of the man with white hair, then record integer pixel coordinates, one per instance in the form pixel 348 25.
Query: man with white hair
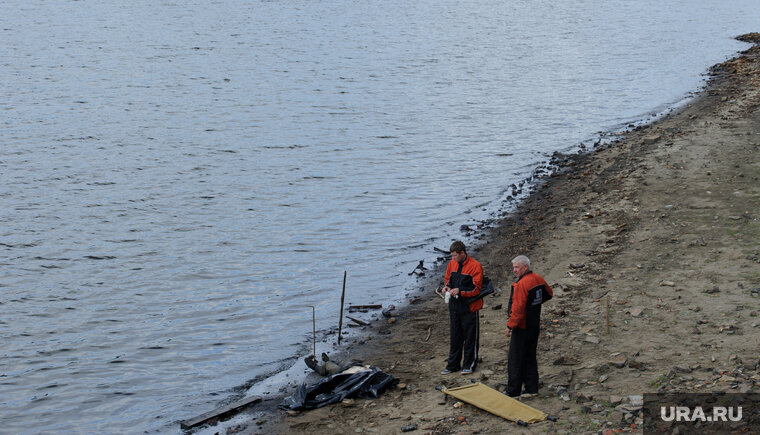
pixel 524 325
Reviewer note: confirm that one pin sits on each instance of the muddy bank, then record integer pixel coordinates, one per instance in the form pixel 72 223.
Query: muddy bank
pixel 661 226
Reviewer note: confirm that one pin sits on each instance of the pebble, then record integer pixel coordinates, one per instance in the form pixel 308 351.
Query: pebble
pixel 651 139
pixel 618 361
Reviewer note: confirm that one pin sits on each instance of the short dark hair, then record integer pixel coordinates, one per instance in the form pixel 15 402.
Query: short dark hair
pixel 457 246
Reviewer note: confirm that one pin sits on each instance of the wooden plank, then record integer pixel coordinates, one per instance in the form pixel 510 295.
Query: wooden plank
pixel 361 322
pixel 364 307
pixel 220 412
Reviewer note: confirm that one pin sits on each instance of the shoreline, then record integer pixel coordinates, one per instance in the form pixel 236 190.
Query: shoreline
pixel 626 221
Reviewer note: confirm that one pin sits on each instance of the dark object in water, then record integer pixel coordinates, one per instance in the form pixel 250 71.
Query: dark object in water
pixel 420 267
pixel 366 383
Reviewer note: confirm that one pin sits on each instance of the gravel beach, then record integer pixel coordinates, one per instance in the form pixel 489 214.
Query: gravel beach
pixel 651 245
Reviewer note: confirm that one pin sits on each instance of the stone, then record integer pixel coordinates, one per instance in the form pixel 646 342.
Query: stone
pixel 591 339
pixel 648 140
pixel 636 312
pixel 682 369
pixel 618 361
pixel 616 400
pixel 602 369
pixel 572 283
pixel 668 284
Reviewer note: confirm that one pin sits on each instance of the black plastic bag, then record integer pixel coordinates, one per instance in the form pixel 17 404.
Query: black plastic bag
pixel 365 384
pixel 485 291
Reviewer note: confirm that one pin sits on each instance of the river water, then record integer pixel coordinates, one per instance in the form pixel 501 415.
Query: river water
pixel 179 180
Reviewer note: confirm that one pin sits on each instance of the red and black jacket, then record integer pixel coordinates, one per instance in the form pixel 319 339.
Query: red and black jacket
pixel 528 293
pixel 468 278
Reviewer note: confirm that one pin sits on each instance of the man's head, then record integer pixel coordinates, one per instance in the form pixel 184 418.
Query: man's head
pixel 458 251
pixel 520 265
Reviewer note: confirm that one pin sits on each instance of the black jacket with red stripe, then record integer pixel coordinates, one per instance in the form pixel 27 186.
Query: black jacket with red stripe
pixel 468 278
pixel 528 293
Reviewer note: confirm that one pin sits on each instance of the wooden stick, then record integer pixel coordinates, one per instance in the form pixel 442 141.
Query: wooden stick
pixel 342 298
pixel 364 307
pixel 361 322
pixel 314 327
pixel 224 411
pixel 428 334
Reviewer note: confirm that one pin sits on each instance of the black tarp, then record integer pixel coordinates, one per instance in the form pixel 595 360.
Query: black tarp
pixel 366 384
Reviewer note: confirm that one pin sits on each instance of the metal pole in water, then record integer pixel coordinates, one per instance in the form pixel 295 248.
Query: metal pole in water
pixel 342 298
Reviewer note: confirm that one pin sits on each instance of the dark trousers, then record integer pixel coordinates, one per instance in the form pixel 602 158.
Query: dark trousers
pixel 465 336
pixel 523 367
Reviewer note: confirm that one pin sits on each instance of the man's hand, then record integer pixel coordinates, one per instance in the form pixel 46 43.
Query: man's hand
pixel 454 291
pixel 508 332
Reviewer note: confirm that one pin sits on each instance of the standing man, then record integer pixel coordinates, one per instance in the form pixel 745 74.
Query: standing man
pixel 464 279
pixel 528 293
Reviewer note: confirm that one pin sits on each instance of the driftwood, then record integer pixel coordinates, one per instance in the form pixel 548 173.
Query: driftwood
pixel 218 413
pixel 360 322
pixel 364 307
pixel 421 267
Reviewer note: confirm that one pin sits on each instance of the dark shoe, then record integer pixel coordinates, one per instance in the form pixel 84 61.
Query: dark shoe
pixel 447 371
pixel 466 371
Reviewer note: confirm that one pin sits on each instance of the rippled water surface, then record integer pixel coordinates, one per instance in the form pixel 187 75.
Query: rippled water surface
pixel 180 179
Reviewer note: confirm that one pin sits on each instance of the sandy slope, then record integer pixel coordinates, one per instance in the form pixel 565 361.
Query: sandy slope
pixel 664 224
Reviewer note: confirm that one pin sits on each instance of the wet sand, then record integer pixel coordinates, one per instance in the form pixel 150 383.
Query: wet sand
pixel 663 225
